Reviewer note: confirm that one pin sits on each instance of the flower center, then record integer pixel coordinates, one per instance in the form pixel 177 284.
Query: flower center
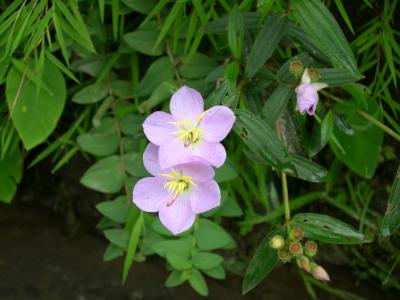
pixel 177 184
pixel 190 133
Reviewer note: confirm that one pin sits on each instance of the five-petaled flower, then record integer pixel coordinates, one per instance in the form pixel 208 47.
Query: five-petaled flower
pixel 307 94
pixel 189 134
pixel 177 193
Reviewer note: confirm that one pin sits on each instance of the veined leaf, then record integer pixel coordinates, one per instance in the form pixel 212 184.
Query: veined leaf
pixel 391 220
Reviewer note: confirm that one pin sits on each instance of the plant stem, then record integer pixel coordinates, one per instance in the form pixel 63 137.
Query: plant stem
pixel 285 198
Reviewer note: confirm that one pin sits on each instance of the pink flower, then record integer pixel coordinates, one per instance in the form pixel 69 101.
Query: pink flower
pixel 189 134
pixel 177 193
pixel 307 94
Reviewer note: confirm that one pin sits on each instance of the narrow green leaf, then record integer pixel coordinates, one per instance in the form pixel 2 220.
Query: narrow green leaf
pixel 344 14
pixel 173 14
pixel 326 229
pixel 115 17
pixel 266 42
pixel 391 220
pixel 276 103
pixel 132 246
pixel 198 283
pixel 236 32
pixel 307 170
pixel 263 262
pixel 322 28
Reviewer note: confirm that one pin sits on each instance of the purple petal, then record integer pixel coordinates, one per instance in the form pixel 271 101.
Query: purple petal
pixel 213 153
pixel 216 123
pixel 175 153
pixel 205 196
pixel 158 129
pixel 177 217
pixel 150 159
pixel 307 98
pixel 199 171
pixel 149 194
pixel 186 103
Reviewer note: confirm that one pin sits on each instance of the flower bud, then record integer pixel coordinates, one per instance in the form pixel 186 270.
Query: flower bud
pixel 319 273
pixel 304 263
pixel 310 248
pixel 295 249
pixel 277 242
pixel 296 234
pixel 314 74
pixel 284 255
pixel 296 68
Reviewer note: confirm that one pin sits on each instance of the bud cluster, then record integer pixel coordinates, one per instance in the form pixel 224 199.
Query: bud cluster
pixel 293 248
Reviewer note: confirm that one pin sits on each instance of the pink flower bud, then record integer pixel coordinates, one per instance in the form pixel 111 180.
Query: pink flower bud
pixel 319 273
pixel 295 249
pixel 304 263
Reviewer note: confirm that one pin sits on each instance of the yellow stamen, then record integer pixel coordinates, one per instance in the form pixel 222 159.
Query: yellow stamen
pixel 178 183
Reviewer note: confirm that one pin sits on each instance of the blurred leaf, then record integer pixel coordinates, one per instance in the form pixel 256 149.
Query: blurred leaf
pixel 335 77
pixel 143 40
pixel 236 32
pixel 142 6
pixel 91 94
pixel 173 14
pixel 206 260
pixel 132 246
pixel 116 210
pixel 322 28
pixel 226 172
pixel 112 252
pixel 198 283
pixel 326 229
pixel 210 236
pixel 101 141
pixel 263 262
pixel 344 14
pixel 391 220
pixel 159 71
pixel 307 169
pixel 178 262
pixel 362 149
pixel 181 246
pixel 197 65
pixel 105 175
pixel 118 237
pixel 327 127
pixel 174 279
pixel 218 272
pixel 35 112
pixel 265 43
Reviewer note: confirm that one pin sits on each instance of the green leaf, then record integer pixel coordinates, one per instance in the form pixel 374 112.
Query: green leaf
pixel 263 262
pixel 112 252
pixel 159 71
pixel 101 141
pixel 326 229
pixel 361 149
pixel 181 246
pixel 174 279
pixel 143 40
pixel 11 167
pixel 198 283
pixel 178 262
pixel 226 172
pixel 134 164
pixel 27 102
pixel 218 272
pixel 197 65
pixel 210 236
pixel 118 237
pixel 236 32
pixel 276 103
pixel 266 42
pixel 327 127
pixel 142 6
pixel 335 77
pixel 116 210
pixel 261 139
pixel 206 260
pixel 391 220
pixel 104 176
pixel 132 246
pixel 91 94
pixel 324 31
pixel 307 170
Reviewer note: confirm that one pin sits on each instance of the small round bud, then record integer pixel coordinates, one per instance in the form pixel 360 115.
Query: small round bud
pixel 304 263
pixel 277 242
pixel 296 234
pixel 296 68
pixel 310 248
pixel 314 74
pixel 319 273
pixel 284 255
pixel 295 249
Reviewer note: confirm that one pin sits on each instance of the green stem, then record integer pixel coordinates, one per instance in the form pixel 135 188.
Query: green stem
pixel 285 198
